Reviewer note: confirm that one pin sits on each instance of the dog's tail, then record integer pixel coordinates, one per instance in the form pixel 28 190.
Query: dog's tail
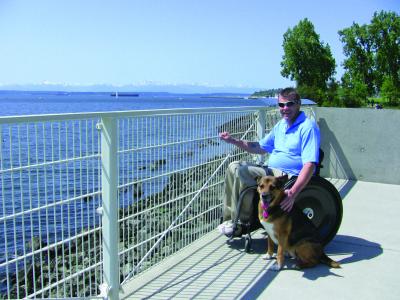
pixel 328 261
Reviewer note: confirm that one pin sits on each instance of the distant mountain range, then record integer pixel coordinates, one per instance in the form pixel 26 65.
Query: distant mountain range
pixel 169 88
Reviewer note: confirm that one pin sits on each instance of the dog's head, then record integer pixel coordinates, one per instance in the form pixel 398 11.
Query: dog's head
pixel 270 189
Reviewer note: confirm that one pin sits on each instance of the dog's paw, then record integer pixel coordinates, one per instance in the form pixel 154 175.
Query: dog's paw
pixel 267 256
pixel 275 267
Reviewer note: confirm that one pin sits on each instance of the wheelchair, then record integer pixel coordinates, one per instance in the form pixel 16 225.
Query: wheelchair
pixel 319 200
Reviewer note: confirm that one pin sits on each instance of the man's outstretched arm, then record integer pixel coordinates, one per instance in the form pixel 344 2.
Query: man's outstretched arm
pixel 251 147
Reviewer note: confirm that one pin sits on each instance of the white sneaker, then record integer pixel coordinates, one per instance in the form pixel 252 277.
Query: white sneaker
pixel 226 228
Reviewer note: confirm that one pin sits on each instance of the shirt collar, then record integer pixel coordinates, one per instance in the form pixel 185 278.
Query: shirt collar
pixel 300 119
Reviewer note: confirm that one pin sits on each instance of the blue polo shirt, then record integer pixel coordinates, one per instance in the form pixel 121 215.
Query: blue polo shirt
pixel 292 147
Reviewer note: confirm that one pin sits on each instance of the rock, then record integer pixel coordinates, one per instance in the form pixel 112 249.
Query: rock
pixel 87 198
pixel 34 244
pixel 137 190
pixel 157 164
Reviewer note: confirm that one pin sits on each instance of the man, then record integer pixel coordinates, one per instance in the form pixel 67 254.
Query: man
pixel 294 147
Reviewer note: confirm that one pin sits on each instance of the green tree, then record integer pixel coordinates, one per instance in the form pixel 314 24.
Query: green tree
pixel 373 54
pixel 331 96
pixel 385 35
pixel 390 92
pixel 353 93
pixel 266 93
pixel 359 64
pixel 307 60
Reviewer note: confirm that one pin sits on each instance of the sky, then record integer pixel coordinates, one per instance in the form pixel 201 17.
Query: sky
pixel 215 43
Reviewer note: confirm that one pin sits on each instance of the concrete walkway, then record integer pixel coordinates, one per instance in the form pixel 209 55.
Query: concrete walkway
pixel 367 245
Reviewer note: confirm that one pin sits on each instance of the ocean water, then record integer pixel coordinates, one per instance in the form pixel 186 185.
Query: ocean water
pixel 12 196
pixel 32 103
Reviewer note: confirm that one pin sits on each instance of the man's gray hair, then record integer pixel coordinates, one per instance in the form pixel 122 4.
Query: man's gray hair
pixel 291 94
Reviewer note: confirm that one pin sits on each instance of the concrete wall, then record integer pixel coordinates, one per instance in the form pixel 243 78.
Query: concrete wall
pixel 360 144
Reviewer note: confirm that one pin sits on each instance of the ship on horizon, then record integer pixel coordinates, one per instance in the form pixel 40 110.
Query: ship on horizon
pixel 124 94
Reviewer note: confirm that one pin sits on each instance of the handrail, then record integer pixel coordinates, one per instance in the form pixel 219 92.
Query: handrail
pixel 50 176
pixel 139 264
pixel 152 169
pixel 124 113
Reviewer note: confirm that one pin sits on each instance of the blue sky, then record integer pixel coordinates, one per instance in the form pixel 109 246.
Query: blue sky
pixel 205 42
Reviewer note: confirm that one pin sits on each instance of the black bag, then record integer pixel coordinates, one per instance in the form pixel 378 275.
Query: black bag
pixel 246 219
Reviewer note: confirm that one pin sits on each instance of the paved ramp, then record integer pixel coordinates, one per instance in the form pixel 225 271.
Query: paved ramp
pixel 367 246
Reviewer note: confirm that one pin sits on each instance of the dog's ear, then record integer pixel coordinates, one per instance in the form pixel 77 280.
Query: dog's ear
pixel 281 180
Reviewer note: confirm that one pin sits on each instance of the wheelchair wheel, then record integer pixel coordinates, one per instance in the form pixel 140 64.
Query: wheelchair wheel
pixel 322 204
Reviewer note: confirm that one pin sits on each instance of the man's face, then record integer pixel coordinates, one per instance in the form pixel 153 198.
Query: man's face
pixel 288 109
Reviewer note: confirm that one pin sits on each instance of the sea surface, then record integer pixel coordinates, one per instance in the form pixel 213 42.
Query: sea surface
pixel 19 231
pixel 14 103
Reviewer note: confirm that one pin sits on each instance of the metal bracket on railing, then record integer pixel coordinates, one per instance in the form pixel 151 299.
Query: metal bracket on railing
pixel 261 121
pixel 99 210
pixel 99 126
pixel 104 290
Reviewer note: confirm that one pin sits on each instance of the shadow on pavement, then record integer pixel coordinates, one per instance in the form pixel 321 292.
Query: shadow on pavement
pixel 357 248
pixel 353 249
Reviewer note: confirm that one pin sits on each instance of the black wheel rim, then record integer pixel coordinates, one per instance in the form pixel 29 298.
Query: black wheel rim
pixel 322 204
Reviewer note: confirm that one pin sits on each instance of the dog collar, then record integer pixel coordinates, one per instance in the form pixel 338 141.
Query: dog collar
pixel 264 208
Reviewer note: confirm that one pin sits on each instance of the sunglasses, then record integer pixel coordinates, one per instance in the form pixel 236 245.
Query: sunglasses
pixel 287 104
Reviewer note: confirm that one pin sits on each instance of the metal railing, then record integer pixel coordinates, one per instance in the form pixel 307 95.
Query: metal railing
pixel 81 192
pixel 49 192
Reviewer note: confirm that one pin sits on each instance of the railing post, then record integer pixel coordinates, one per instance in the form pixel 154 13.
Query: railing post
pixel 109 178
pixel 261 121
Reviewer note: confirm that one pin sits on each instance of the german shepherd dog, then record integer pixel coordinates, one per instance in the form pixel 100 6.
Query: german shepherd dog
pixel 292 231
